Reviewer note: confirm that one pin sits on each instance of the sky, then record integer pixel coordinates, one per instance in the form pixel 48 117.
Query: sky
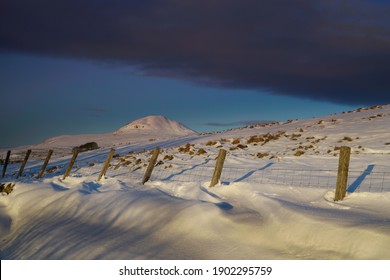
pixel 74 67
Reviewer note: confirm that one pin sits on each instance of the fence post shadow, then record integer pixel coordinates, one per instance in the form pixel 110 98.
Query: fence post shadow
pixel 185 170
pixel 359 180
pixel 250 173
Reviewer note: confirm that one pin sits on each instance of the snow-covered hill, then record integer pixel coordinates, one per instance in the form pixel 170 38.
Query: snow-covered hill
pixel 158 124
pixel 147 129
pixel 274 201
pixel 365 130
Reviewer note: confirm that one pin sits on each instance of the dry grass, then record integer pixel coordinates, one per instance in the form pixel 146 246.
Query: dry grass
pixel 295 136
pixel 240 146
pixel 211 143
pixel 262 155
pixel 306 147
pixel 201 151
pixel 168 157
pixel 186 148
pixel 270 137
pixel 346 138
pixel 255 139
pixel 7 188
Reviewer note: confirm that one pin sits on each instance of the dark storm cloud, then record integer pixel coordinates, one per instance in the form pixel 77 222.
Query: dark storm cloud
pixel 329 50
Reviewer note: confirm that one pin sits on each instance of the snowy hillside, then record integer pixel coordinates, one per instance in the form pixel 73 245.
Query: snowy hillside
pixel 275 199
pixel 366 130
pixel 147 129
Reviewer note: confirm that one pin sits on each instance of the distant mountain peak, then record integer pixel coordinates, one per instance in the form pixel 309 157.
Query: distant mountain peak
pixel 155 123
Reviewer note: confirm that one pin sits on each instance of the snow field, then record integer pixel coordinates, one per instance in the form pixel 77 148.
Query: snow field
pixel 254 213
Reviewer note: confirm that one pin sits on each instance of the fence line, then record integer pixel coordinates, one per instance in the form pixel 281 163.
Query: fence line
pixel 368 180
pixel 375 181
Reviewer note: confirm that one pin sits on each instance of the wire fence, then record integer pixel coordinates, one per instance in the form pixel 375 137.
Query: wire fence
pixel 372 179
pixel 36 154
pixel 358 181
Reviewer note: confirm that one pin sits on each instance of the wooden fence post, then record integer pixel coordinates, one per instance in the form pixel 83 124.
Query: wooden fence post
pixel 106 164
pixel 45 164
pixel 218 167
pixel 151 165
pixel 23 163
pixel 75 154
pixel 342 175
pixel 6 163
